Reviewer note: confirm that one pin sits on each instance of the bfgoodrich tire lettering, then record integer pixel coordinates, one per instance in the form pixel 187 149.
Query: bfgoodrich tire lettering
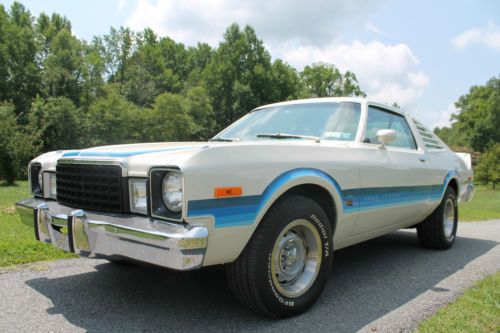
pixel 438 231
pixel 284 267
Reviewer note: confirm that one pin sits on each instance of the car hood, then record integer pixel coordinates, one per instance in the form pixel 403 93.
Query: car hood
pixel 138 157
pixel 133 150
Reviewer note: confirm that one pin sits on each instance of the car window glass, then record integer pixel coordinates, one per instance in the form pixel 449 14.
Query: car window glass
pixel 379 119
pixel 327 121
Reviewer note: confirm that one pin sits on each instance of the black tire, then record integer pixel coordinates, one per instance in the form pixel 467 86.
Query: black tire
pixel 431 232
pixel 250 277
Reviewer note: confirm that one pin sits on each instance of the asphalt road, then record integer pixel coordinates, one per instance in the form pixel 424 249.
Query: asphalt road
pixel 384 285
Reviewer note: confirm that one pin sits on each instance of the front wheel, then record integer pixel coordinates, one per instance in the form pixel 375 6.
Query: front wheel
pixel 284 267
pixel 439 230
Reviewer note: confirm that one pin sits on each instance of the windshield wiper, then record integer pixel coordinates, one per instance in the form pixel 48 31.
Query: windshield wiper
pixel 221 139
pixel 288 136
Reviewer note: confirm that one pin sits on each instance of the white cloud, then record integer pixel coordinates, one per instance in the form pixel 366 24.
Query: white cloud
pixel 489 36
pixel 373 28
pixel 121 4
pixel 387 73
pixel 313 21
pixel 433 118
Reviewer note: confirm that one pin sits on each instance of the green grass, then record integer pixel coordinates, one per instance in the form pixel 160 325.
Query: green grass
pixel 477 310
pixel 484 206
pixel 17 241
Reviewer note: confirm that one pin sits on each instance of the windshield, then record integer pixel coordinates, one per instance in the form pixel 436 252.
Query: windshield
pixel 325 121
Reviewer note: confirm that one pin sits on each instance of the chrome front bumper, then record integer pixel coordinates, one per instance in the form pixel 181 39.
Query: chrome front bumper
pixel 101 235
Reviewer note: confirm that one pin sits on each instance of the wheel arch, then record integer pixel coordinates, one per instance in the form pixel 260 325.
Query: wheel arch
pixel 451 180
pixel 316 192
pixel 453 183
pixel 312 183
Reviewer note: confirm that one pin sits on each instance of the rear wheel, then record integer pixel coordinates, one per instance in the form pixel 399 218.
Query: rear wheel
pixel 439 230
pixel 284 267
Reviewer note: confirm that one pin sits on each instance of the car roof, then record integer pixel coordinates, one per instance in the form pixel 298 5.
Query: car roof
pixel 360 100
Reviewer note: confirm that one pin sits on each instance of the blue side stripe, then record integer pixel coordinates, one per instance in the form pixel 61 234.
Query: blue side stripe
pixel 438 190
pixel 121 154
pixel 379 197
pixel 241 211
pixel 227 211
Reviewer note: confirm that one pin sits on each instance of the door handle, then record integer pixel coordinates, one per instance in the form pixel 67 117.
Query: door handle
pixel 422 158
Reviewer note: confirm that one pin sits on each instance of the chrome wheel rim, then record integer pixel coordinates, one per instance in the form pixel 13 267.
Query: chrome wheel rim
pixel 296 258
pixel 449 218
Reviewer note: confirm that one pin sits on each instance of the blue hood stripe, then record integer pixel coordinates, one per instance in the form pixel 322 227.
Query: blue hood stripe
pixel 121 154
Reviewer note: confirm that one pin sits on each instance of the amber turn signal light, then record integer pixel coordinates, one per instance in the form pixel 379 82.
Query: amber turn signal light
pixel 221 192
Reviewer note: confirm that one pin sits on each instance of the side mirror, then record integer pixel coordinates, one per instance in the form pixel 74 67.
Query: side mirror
pixel 385 136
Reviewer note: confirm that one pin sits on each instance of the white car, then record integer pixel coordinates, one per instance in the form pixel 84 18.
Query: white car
pixel 270 197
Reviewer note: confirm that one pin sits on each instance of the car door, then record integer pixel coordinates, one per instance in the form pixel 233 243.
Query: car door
pixel 394 181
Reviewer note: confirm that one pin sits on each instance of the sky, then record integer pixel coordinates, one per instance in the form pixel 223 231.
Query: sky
pixel 421 54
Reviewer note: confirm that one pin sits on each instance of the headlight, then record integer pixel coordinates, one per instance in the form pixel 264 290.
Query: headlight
pixel 138 196
pixel 172 191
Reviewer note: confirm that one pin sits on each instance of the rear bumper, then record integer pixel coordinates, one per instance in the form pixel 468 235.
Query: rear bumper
pixel 469 193
pixel 102 235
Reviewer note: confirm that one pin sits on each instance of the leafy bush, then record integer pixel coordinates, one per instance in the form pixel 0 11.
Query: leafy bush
pixel 488 169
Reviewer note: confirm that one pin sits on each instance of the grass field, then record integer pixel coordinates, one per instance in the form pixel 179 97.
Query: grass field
pixel 18 244
pixel 17 241
pixel 484 206
pixel 477 310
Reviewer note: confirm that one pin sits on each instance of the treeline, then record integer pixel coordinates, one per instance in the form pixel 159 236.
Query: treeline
pixel 475 128
pixel 61 92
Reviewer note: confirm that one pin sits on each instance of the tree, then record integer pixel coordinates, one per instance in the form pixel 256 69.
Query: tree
pixel 55 124
pixel 326 80
pixel 238 77
pixel 488 168
pixel 200 110
pixel 4 54
pixel 47 28
pixel 285 81
pixel 60 92
pixel 93 71
pixel 118 46
pixel 157 65
pixel 19 73
pixel 451 136
pixel 170 119
pixel 478 117
pixel 111 119
pixel 63 67
pixel 8 128
pixel 198 57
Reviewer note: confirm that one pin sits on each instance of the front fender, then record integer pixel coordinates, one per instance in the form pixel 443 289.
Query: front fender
pixel 234 220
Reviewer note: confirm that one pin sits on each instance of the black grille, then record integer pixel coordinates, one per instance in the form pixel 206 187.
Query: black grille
pixel 93 187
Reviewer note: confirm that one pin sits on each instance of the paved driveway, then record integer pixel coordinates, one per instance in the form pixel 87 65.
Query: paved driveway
pixel 385 285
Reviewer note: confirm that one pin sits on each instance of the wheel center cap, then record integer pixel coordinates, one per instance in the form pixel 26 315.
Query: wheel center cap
pixel 291 257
